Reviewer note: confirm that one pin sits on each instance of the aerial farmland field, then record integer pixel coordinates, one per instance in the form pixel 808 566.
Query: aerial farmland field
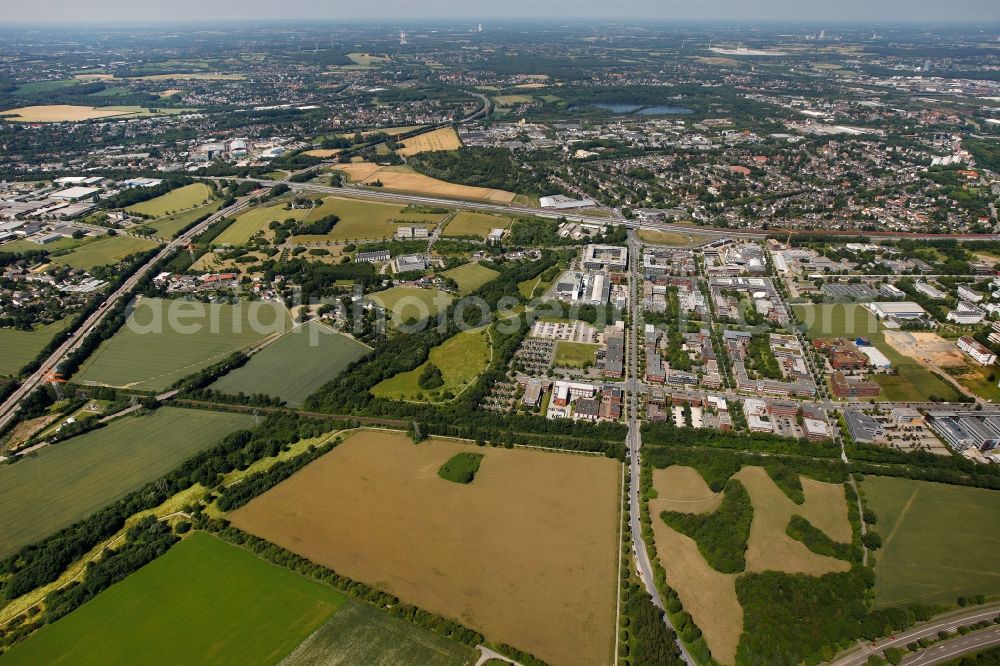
pixel 189 196
pixel 294 367
pixel 17 347
pixel 934 536
pixel 403 178
pixel 203 602
pixel 103 251
pixel 256 220
pixel 471 276
pixel 411 302
pixel 63 483
pixel 445 138
pixel 165 340
pixel 512 555
pixel 365 220
pixel 461 359
pixel 476 224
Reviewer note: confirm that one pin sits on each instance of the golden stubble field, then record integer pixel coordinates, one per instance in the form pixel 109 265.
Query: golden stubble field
pixel 710 596
pixel 445 138
pixel 525 554
pixel 405 179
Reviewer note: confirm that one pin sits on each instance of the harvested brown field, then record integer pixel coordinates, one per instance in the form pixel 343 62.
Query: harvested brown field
pixel 405 179
pixel 193 76
pixel 682 489
pixel 769 548
pixel 323 153
pixel 58 113
pixel 926 347
pixel 519 557
pixel 445 138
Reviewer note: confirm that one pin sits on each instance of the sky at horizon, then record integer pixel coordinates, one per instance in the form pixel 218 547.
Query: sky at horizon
pixel 68 11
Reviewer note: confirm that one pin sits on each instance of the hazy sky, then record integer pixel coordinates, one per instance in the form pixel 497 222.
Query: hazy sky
pixel 388 10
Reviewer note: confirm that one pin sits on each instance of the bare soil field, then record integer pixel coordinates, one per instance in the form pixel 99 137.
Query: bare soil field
pixel 440 139
pixel 684 490
pixel 404 179
pixel 922 346
pixel 513 555
pixel 769 548
pixel 57 113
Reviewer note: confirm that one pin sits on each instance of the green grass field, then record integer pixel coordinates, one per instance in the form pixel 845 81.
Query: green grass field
pixel 407 303
pixel 203 602
pixel 249 223
pixel 461 468
pixel 17 348
pixel 360 634
pixel 471 276
pixel 534 288
pixel 574 354
pixel 190 196
pixel 936 541
pixel 104 251
pixel 165 340
pixel 913 382
pixel 63 483
pixel 169 226
pixel 64 243
pixel 295 366
pixel 475 224
pixel 461 359
pixel 365 220
pixel 36 87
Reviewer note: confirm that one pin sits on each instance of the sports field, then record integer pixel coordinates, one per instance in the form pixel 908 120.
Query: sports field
pixel 475 224
pixel 411 303
pixel 65 482
pixel 404 179
pixel 365 220
pixel 913 382
pixel 934 539
pixel 165 340
pixel 471 276
pixel 17 348
pixel 360 634
pixel 445 138
pixel 524 561
pixel 180 199
pixel 574 354
pixel 104 251
pixel 294 367
pixel 461 359
pixel 710 596
pixel 203 602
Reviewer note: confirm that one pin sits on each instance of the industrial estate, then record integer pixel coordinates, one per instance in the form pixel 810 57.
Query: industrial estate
pixel 525 343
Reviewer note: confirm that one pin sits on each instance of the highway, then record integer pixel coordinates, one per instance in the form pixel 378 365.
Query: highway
pixel 936 653
pixel 9 408
pixel 634 442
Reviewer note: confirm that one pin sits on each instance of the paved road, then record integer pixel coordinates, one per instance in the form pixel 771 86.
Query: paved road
pixel 929 630
pixel 9 408
pixel 634 442
pixel 974 642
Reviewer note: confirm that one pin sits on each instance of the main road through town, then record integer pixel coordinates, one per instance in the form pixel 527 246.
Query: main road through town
pixel 9 408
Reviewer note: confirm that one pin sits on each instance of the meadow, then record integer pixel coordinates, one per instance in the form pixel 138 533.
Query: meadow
pixel 365 220
pixel 169 226
pixel 189 196
pixel 65 482
pixel 672 238
pixel 913 382
pixel 103 251
pixel 471 276
pixel 461 358
pixel 466 223
pixel 934 537
pixel 294 367
pixel 18 348
pixel 165 340
pixel 445 138
pixel 404 179
pixel 253 221
pixel 512 555
pixel 407 303
pixel 203 602
pixel 575 354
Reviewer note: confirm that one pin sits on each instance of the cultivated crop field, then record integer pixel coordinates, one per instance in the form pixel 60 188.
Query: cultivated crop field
pixel 17 348
pixel 165 340
pixel 104 251
pixel 180 199
pixel 471 276
pixel 365 220
pixel 405 179
pixel 913 382
pixel 203 602
pixel 65 482
pixel 522 559
pixel 709 595
pixel 60 113
pixel 934 537
pixel 411 302
pixel 294 367
pixel 445 138
pixel 475 224
pixel 461 359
